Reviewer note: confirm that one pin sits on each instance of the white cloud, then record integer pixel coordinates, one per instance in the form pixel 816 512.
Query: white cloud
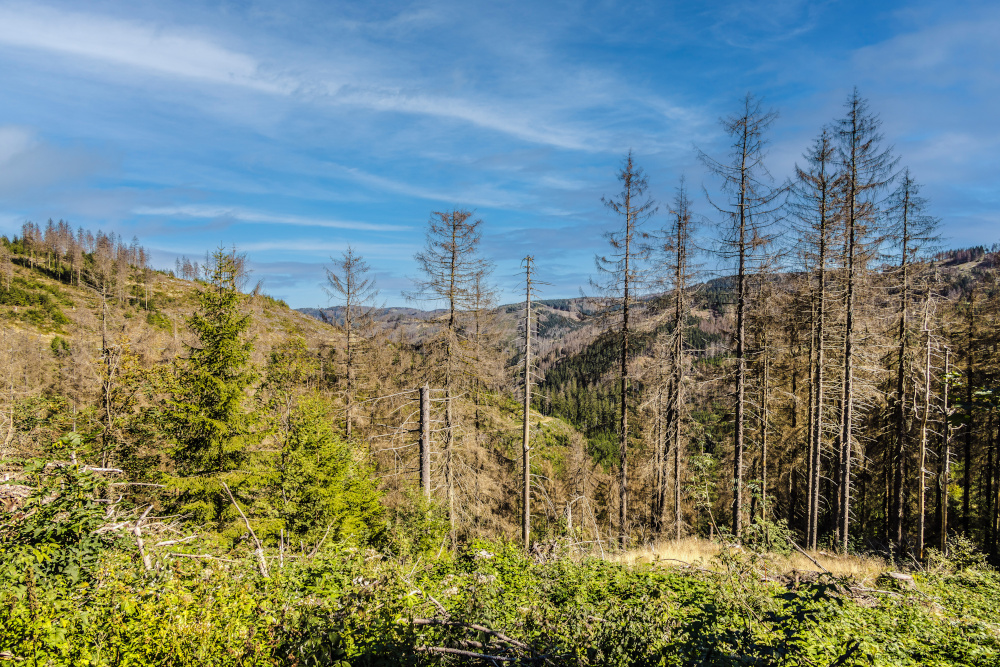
pixel 396 252
pixel 14 141
pixel 261 217
pixel 943 53
pixel 491 116
pixel 489 197
pixel 28 164
pixel 359 77
pixel 169 52
pixel 380 250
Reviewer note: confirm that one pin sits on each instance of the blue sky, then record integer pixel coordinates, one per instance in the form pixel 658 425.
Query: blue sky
pixel 293 128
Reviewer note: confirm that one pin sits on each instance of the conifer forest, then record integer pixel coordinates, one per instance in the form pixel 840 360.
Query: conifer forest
pixel 767 432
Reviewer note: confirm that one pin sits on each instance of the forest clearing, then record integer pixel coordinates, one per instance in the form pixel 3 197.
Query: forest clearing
pixel 767 433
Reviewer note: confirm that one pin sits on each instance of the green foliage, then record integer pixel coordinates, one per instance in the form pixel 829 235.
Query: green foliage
pixel 210 418
pixel 419 527
pixel 53 533
pixel 44 417
pixel 351 606
pixel 767 536
pixel 35 303
pixel 273 302
pixel 322 486
pixel 158 320
pixel 60 347
pixel 325 488
pixel 963 554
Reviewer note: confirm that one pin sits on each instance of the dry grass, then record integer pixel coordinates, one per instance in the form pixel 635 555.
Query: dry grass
pixel 700 553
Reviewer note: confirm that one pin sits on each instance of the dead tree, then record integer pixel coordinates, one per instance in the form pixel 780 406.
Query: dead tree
pixel 679 272
pixel 529 291
pixel 911 232
pixel 924 429
pixel 815 207
pixel 749 206
pixel 451 266
pixel 867 169
pixel 944 459
pixel 623 279
pixel 353 286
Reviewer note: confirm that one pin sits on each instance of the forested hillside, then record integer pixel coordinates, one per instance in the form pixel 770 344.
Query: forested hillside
pixel 195 473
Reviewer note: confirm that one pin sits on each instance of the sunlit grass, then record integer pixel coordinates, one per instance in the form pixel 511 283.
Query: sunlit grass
pixel 699 552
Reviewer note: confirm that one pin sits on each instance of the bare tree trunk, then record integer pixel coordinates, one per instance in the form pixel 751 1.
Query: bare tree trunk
pixel 660 456
pixel 741 372
pixel 678 519
pixel 526 432
pixel 945 480
pixel 623 529
pixel 995 515
pixel 810 520
pixel 449 467
pixel 847 403
pixel 987 521
pixel 922 480
pixel 970 423
pixel 350 379
pixel 678 398
pixel 425 441
pixel 817 429
pixel 898 487
pixel 763 437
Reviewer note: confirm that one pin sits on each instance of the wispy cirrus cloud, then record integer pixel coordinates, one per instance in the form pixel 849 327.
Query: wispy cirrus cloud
pixel 248 216
pixel 946 53
pixel 493 115
pixel 540 114
pixel 28 164
pixel 134 44
pixel 321 246
pixel 478 195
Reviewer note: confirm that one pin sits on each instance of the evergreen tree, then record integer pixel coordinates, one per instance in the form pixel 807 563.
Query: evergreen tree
pixel 214 428
pixel 325 487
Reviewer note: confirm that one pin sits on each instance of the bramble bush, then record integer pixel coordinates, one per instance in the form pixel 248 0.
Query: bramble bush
pixel 69 596
pixel 351 605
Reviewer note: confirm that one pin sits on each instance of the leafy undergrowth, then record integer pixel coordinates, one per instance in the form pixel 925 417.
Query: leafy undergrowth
pixel 353 606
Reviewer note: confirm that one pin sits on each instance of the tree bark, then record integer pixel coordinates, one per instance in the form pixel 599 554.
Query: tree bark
pixel 526 430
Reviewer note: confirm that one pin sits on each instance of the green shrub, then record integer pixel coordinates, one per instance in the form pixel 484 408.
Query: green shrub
pixel 158 320
pixel 54 533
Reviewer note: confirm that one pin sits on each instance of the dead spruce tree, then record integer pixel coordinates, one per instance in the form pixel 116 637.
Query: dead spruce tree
pixel 911 233
pixel 677 270
pixel 351 284
pixel 452 268
pixel 867 170
pixel 621 279
pixel 484 364
pixel 528 369
pixel 815 204
pixel 749 205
